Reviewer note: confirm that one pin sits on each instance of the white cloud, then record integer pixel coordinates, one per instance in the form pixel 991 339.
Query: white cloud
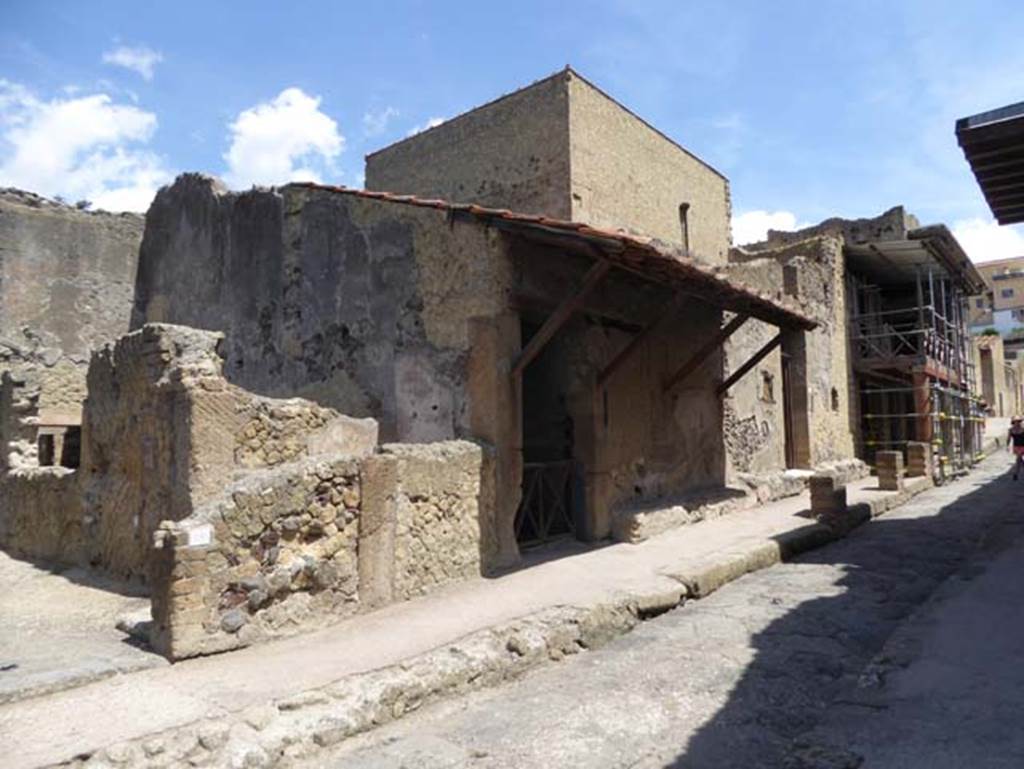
pixel 286 139
pixel 753 226
pixel 431 123
pixel 140 59
pixel 986 241
pixel 79 148
pixel 375 123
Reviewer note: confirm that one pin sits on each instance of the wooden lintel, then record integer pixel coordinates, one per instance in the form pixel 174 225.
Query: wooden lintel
pixel 758 356
pixel 562 313
pixel 626 352
pixel 694 362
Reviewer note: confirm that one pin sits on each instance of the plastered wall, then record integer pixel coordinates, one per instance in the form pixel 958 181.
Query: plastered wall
pixel 811 271
pixel 357 304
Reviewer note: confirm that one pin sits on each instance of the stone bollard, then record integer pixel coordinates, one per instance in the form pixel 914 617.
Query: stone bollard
pixel 919 460
pixel 828 499
pixel 889 465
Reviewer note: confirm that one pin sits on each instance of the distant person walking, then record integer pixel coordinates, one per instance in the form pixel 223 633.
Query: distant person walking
pixel 1016 439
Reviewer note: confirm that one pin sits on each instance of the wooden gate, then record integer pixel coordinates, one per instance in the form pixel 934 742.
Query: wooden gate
pixel 546 509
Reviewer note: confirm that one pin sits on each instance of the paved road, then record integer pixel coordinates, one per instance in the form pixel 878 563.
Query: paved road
pixel 803 665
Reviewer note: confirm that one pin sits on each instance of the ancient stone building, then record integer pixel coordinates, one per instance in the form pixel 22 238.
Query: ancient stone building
pixel 998 378
pixel 579 355
pixel 66 282
pixel 905 297
pixel 565 149
pixel 330 399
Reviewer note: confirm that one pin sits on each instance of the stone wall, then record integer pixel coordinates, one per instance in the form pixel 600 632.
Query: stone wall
pixel 893 224
pixel 509 153
pixel 41 515
pixel 813 273
pixel 625 173
pixel 66 282
pixel 162 434
pixel 563 148
pixel 308 543
pixel 277 555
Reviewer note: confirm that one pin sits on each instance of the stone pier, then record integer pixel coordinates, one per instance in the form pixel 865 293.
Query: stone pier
pixel 889 465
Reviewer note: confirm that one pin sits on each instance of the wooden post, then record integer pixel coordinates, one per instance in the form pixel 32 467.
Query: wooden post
pixel 561 314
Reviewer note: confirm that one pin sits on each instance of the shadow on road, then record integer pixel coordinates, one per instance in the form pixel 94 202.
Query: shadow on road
pixel 820 648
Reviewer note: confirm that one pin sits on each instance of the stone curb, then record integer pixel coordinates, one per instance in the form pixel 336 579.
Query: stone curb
pixel 297 727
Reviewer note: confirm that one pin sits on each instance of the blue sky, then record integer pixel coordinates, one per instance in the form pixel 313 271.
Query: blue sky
pixel 813 109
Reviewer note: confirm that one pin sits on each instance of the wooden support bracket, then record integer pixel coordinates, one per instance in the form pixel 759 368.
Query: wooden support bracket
pixel 739 373
pixel 633 344
pixel 694 362
pixel 561 314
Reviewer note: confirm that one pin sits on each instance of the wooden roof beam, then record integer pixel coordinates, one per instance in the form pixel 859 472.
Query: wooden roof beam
pixel 758 356
pixel 695 361
pixel 561 314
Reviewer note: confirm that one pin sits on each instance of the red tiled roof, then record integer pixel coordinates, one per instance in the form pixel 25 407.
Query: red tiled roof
pixel 635 253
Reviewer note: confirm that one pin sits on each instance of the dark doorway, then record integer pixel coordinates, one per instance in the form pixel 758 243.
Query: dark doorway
pixel 71 452
pixel 551 496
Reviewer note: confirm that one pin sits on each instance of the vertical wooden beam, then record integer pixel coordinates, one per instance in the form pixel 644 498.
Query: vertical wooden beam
pixel 561 314
pixel 627 351
pixel 924 422
pixel 702 354
pixel 742 370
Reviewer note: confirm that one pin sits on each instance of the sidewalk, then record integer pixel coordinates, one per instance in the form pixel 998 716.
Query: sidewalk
pixel 654 574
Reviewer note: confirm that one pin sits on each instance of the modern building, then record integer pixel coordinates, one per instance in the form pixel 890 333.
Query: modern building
pixel 1001 305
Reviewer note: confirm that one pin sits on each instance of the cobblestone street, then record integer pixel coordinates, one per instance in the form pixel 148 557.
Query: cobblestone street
pixel 793 666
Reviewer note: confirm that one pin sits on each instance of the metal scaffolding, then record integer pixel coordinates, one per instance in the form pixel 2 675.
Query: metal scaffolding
pixel 915 376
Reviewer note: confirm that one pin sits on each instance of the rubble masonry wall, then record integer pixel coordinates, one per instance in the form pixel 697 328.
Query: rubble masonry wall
pixel 66 282
pixel 163 433
pixel 306 544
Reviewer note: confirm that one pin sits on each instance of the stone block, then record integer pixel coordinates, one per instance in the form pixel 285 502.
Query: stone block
pixel 919 460
pixel 344 435
pixel 889 466
pixel 828 497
